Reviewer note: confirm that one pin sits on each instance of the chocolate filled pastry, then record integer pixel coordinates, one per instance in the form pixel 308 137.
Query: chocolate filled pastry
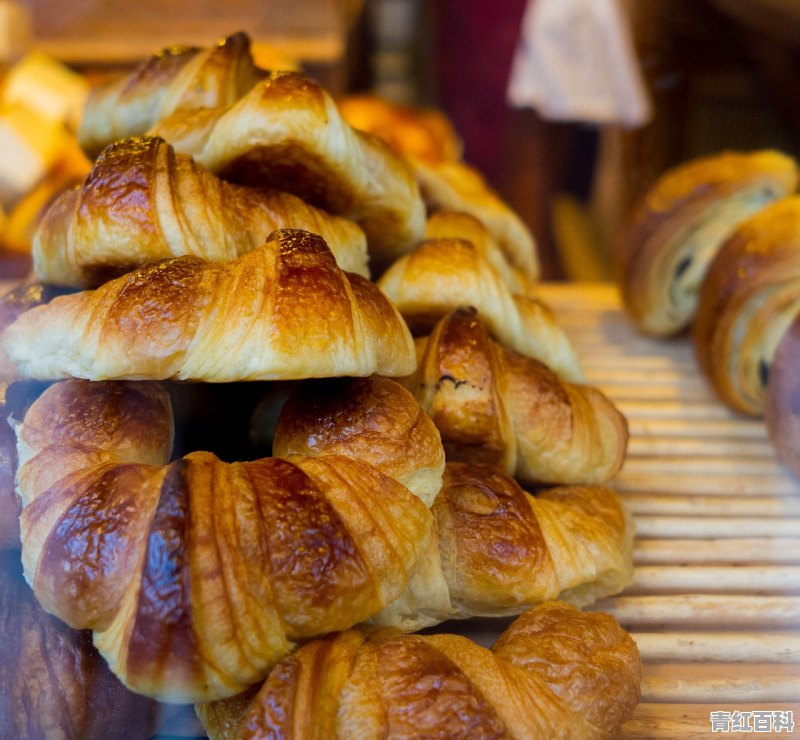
pixel 142 203
pixel 497 407
pixel 681 223
pixel 750 296
pixel 55 684
pixel 555 672
pixel 443 274
pixel 284 311
pixel 197 575
pixel 782 408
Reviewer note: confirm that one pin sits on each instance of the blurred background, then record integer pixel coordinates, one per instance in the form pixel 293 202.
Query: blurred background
pixel 569 108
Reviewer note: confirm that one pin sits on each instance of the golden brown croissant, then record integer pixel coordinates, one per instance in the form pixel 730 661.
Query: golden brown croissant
pixel 372 419
pixel 555 672
pixel 280 312
pixel 287 133
pixel 750 296
pixel 143 203
pixel 414 131
pixel 782 407
pixel 497 550
pixel 455 186
pixel 197 576
pixel 459 225
pixel 443 274
pixel 499 408
pixel 55 684
pixel 680 225
pixel 177 78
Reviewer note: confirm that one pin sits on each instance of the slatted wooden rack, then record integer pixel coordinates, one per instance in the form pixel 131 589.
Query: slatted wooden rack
pixel 715 603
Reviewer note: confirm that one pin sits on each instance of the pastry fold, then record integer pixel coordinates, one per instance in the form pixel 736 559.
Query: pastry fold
pixel 284 311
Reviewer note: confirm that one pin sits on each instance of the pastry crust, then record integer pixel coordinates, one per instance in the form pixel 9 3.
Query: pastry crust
pixel 497 551
pixel 555 672
pixel 750 296
pixel 284 311
pixel 443 274
pixel 198 575
pixel 500 408
pixel 177 78
pixel 143 203
pixel 371 419
pixel 682 222
pixel 414 131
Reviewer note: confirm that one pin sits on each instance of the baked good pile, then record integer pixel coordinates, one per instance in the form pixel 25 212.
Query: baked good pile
pixel 714 247
pixel 235 227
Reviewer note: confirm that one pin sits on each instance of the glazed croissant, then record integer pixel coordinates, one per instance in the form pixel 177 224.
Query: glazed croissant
pixel 460 225
pixel 749 298
pixel 177 78
pixel 455 186
pixel 443 274
pixel 680 225
pixel 498 550
pixel 372 419
pixel 782 404
pixel 414 131
pixel 143 203
pixel 55 684
pixel 198 575
pixel 280 312
pixel 287 133
pixel 499 408
pixel 555 672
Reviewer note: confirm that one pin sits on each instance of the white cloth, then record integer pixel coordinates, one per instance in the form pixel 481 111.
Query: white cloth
pixel 575 61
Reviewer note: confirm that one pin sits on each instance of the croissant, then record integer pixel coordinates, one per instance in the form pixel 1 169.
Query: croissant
pixel 499 408
pixel 442 274
pixel 497 550
pixel 280 312
pixel 371 419
pixel 177 78
pixel 680 225
pixel 750 296
pixel 55 684
pixel 555 672
pixel 415 131
pixel 287 133
pixel 143 203
pixel 198 575
pixel 782 404
pixel 455 186
pixel 459 225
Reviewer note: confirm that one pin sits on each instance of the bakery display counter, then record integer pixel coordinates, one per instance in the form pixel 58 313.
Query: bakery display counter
pixel 715 602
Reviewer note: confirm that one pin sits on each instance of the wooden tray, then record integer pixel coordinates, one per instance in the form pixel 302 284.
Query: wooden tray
pixel 715 603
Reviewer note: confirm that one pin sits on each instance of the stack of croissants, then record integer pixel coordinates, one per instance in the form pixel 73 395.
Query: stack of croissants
pixel 714 247
pixel 236 226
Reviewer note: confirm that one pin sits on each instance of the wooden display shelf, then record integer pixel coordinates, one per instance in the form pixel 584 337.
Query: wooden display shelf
pixel 715 603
